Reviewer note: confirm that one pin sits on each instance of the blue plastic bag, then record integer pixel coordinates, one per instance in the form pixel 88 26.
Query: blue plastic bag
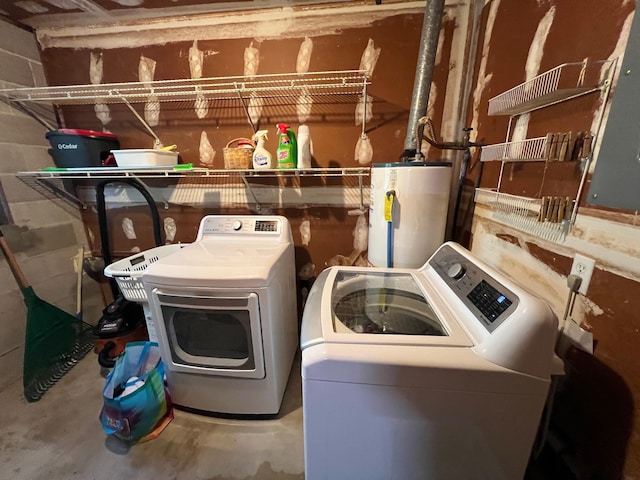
pixel 134 396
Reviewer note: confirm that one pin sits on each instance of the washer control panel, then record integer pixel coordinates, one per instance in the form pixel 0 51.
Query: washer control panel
pixel 485 297
pixel 242 225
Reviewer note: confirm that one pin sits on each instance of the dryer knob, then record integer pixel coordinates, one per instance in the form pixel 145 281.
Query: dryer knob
pixel 237 225
pixel 456 271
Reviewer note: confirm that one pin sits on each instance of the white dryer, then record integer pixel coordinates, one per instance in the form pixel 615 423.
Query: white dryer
pixel 225 312
pixel 434 373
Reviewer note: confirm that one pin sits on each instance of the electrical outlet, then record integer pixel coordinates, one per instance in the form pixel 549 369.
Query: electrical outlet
pixel 583 268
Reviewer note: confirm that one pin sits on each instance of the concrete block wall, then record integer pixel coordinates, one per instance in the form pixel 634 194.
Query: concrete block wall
pixel 44 237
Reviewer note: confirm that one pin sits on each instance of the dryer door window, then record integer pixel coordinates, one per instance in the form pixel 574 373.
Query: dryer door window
pixel 205 337
pixel 213 335
pixel 382 303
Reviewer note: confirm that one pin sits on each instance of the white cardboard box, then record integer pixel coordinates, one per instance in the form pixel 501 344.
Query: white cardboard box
pixel 140 157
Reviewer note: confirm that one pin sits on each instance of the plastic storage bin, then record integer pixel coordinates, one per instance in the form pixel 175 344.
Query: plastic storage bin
pixel 128 274
pixel 80 148
pixel 145 158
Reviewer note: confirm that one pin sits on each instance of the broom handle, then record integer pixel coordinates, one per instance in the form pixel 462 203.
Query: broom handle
pixel 79 281
pixel 13 264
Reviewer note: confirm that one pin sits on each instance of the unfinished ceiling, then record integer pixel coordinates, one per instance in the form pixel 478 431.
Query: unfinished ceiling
pixel 59 13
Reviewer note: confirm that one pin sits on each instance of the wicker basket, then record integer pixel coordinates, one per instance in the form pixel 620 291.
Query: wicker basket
pixel 236 157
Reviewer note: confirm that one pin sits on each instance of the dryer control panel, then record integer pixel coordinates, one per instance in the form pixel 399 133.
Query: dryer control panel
pixel 244 225
pixel 485 297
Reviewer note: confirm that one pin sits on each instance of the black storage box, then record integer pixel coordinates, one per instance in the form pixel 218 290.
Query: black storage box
pixel 80 148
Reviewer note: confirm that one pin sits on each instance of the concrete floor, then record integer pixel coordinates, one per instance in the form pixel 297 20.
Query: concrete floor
pixel 59 437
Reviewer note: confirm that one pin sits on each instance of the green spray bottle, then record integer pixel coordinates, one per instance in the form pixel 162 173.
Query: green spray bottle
pixel 287 152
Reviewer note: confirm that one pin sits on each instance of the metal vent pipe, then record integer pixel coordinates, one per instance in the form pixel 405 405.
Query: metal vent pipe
pixel 424 72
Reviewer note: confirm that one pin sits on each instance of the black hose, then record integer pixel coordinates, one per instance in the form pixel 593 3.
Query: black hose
pixel 463 176
pixel 104 359
pixel 104 229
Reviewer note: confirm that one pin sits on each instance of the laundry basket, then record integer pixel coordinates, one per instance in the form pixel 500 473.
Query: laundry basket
pixel 128 274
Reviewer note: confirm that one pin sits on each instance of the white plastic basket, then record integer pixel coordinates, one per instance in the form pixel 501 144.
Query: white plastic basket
pixel 128 271
pixel 140 157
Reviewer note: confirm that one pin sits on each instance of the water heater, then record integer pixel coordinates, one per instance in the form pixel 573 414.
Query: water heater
pixel 407 212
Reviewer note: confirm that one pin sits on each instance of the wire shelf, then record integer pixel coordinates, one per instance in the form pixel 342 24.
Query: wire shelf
pixel 167 172
pixel 522 213
pixel 224 100
pixel 273 86
pixel 201 186
pixel 530 150
pixel 566 81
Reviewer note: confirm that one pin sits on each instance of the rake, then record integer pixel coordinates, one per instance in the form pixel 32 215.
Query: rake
pixel 54 340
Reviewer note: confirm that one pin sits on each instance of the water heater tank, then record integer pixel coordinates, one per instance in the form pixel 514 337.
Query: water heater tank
pixel 418 194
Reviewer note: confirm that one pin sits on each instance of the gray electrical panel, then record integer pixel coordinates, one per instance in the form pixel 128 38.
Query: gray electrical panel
pixel 616 178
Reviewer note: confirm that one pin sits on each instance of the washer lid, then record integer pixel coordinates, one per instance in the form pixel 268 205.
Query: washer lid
pixel 215 263
pixel 382 303
pixel 382 306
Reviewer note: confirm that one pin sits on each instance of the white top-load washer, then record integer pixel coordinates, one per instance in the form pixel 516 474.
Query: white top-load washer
pixel 440 372
pixel 225 311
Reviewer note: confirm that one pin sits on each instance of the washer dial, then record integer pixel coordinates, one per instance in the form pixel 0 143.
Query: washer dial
pixel 456 271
